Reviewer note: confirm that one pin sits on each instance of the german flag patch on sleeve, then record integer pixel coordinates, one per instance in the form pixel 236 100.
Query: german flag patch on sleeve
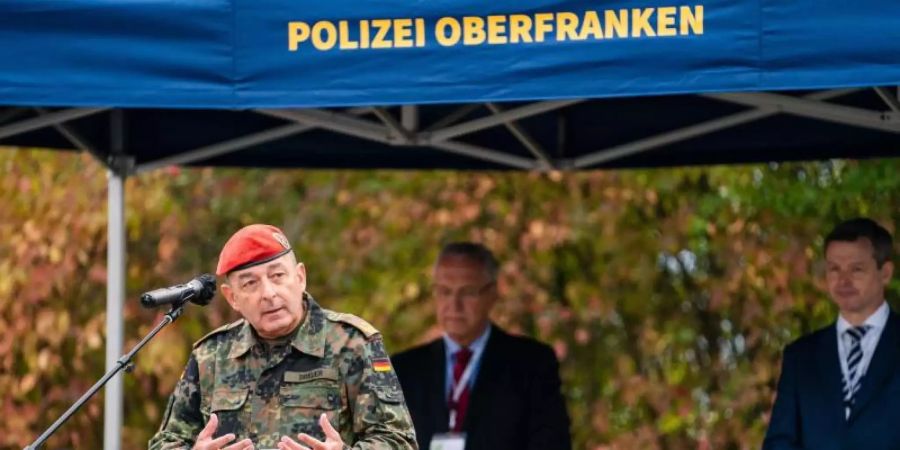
pixel 381 365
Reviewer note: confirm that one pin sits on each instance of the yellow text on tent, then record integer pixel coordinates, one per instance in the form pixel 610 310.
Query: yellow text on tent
pixel 651 22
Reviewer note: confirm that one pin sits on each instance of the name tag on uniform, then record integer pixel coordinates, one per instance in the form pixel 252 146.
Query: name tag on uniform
pixel 448 441
pixel 309 375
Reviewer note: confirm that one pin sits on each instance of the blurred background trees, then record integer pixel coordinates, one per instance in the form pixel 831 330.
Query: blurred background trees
pixel 668 294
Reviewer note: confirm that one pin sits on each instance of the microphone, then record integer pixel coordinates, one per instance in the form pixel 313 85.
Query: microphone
pixel 200 290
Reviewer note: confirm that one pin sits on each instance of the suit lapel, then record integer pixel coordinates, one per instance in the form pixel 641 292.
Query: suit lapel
pixel 436 386
pixel 882 366
pixel 830 376
pixel 483 392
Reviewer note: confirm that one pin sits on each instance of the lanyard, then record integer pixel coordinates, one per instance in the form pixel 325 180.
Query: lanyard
pixel 457 390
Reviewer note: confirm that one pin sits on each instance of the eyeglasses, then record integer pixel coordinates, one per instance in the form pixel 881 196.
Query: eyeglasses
pixel 466 293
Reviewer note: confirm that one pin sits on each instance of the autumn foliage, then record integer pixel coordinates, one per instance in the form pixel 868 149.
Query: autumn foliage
pixel 668 294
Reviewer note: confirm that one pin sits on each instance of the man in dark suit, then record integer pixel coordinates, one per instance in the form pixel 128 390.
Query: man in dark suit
pixel 478 387
pixel 840 386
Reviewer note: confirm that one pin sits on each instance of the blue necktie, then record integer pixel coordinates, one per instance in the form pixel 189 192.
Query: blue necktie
pixel 854 357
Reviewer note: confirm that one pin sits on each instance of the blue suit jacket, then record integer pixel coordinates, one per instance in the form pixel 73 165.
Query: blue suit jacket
pixel 809 412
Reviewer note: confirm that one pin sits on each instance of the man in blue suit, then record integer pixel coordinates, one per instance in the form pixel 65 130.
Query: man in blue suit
pixel 840 386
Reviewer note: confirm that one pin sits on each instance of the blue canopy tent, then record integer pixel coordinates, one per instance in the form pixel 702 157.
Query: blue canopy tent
pixel 533 85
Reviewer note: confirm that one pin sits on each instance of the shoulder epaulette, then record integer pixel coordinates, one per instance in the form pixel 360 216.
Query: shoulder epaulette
pixel 221 329
pixel 365 327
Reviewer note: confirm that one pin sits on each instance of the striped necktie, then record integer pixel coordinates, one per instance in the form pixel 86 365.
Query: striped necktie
pixel 852 381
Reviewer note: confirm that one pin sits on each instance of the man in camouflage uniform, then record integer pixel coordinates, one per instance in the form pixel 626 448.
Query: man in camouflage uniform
pixel 288 370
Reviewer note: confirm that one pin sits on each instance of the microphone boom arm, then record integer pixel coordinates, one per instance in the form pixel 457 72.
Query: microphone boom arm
pixel 123 363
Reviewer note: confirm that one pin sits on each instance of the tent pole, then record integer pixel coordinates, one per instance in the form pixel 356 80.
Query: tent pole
pixel 524 138
pixel 403 134
pixel 450 119
pixel 888 98
pixel 692 131
pixel 849 115
pixel 409 117
pixel 223 148
pixel 115 288
pixel 521 112
pixel 234 145
pixel 486 154
pixel 36 123
pixel 75 138
pixel 115 292
pixel 335 121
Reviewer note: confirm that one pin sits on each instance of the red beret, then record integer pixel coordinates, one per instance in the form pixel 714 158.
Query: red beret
pixel 252 245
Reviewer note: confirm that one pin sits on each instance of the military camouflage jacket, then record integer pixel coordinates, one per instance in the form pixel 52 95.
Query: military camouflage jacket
pixel 335 363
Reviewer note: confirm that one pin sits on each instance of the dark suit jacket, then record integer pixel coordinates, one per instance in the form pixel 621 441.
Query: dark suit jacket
pixel 515 403
pixel 809 412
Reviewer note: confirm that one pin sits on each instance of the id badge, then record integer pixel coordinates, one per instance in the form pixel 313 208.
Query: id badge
pixel 448 441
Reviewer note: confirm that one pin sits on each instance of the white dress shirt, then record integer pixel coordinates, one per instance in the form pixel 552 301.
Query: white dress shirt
pixel 876 323
pixel 452 347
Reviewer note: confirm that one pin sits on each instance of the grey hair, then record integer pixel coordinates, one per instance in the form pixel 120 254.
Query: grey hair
pixel 474 252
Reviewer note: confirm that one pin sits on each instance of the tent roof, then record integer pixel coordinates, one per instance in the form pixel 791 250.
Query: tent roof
pixel 236 54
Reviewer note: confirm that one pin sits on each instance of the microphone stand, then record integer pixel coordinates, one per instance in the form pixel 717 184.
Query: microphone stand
pixel 124 363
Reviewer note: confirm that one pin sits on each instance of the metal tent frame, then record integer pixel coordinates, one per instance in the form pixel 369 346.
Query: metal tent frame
pixel 380 125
